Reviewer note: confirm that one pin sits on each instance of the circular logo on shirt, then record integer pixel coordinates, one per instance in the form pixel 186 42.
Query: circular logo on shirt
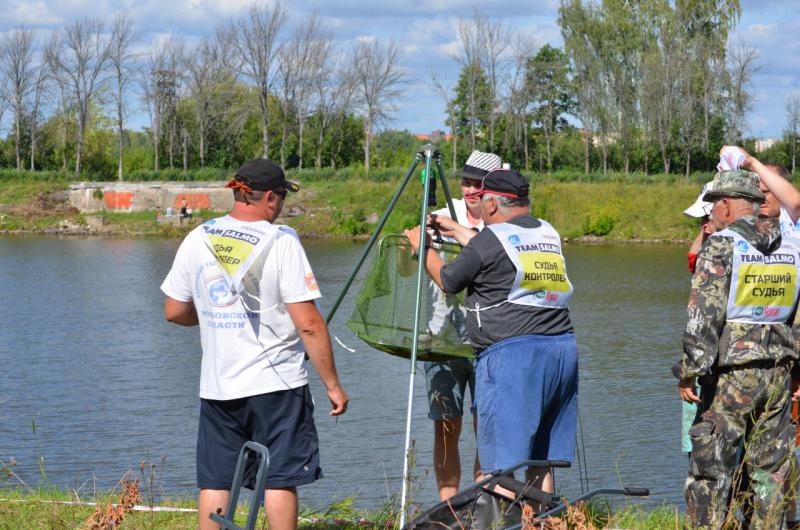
pixel 514 239
pixel 540 294
pixel 743 246
pixel 758 311
pixel 218 293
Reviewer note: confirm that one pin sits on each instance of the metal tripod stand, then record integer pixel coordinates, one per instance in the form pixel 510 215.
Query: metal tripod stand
pixel 430 154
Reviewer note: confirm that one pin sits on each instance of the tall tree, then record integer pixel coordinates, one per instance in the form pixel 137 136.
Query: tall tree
pixel 335 93
pixel 445 92
pixel 548 80
pixel 379 78
pixel 16 62
pixel 473 77
pixel 706 25
pixel 793 125
pixel 301 61
pixel 472 104
pixel 120 59
pixel 209 75
pixel 494 38
pixel 257 45
pixel 517 102
pixel 83 63
pixel 42 84
pixel 66 106
pixel 160 88
pixel 580 29
pixel 743 65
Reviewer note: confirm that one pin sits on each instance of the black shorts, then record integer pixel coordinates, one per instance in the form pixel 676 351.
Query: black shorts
pixel 282 421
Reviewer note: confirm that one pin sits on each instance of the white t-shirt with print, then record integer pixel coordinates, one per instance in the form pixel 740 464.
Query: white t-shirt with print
pixel 245 353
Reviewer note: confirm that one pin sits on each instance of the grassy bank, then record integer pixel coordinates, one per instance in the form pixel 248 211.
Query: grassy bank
pixel 54 508
pixel 612 210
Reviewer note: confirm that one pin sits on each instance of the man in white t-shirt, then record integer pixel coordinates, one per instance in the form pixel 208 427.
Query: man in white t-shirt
pixel 248 285
pixel 447 382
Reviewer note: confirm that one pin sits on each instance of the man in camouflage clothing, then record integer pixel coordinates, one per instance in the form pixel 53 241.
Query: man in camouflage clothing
pixel 740 345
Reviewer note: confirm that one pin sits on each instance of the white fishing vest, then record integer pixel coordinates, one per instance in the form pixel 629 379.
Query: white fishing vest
pixel 764 288
pixel 541 278
pixel 237 248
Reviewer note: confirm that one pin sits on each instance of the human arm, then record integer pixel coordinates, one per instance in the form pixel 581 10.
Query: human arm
pixel 181 313
pixel 706 229
pixel 449 228
pixel 433 262
pixel 708 300
pixel 314 333
pixel 782 189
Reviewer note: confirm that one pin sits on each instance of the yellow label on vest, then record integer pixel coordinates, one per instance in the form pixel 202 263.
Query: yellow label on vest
pixel 230 252
pixel 766 285
pixel 543 271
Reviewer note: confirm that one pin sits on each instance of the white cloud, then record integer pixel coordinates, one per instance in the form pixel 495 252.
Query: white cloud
pixel 427 31
pixel 36 13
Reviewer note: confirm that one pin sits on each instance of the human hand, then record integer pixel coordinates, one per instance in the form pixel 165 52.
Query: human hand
pixel 795 389
pixel 339 400
pixel 686 391
pixel 708 228
pixel 413 235
pixel 443 224
pixel 732 157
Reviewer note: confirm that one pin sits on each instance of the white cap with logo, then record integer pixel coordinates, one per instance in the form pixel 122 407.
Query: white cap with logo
pixel 700 208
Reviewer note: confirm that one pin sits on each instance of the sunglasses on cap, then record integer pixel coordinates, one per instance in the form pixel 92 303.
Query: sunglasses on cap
pixel 481 190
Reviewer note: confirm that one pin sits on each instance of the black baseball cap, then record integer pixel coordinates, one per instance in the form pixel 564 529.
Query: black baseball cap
pixel 262 174
pixel 507 182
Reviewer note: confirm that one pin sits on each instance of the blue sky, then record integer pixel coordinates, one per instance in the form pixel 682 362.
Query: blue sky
pixel 427 32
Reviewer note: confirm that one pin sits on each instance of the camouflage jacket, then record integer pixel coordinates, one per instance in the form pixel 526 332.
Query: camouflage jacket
pixel 710 341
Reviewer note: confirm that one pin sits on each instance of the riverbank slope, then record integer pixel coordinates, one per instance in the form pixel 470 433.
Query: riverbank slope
pixel 593 211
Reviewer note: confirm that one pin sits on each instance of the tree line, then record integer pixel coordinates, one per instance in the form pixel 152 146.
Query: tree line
pixel 251 88
pixel 653 86
pixel 638 86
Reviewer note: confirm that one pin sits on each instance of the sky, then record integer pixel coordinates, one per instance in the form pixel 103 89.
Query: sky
pixel 426 31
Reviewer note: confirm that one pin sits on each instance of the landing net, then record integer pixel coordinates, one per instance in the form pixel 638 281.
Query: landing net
pixel 384 313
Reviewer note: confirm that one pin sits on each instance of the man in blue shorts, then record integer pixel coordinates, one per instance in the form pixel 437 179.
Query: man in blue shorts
pixel 248 285
pixel 447 382
pixel 519 324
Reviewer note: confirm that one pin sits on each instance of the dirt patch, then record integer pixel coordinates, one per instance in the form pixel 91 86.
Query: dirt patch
pixel 43 205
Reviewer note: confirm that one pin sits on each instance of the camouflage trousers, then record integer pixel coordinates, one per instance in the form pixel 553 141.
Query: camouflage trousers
pixel 750 403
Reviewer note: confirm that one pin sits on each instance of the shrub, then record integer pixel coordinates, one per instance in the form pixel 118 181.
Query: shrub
pixel 600 223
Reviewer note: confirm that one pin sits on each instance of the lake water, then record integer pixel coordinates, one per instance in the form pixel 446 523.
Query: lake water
pixel 95 382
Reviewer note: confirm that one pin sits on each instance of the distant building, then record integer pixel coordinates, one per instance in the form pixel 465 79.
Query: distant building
pixel 434 136
pixel 764 144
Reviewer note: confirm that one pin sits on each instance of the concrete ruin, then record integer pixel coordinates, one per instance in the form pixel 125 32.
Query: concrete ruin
pixel 94 197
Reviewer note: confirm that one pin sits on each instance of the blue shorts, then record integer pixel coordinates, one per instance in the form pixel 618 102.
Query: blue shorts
pixel 282 421
pixel 447 384
pixel 527 397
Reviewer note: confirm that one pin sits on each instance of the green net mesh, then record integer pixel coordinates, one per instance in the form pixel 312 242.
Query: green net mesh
pixel 384 313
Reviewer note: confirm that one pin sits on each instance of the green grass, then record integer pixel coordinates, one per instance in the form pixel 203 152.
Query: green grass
pixel 24 191
pixel 33 509
pixel 35 512
pixel 661 518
